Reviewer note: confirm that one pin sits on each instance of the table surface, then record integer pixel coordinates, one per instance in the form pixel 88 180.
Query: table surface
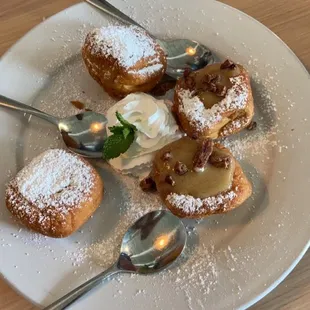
pixel 289 19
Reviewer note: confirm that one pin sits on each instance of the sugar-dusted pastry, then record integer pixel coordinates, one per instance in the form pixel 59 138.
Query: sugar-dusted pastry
pixel 215 101
pixel 196 178
pixel 55 193
pixel 123 59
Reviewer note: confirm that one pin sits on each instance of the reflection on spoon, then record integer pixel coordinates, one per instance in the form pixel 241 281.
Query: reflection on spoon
pixel 149 245
pixel 182 53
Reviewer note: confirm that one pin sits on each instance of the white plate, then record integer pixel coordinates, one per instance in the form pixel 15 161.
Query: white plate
pixel 235 259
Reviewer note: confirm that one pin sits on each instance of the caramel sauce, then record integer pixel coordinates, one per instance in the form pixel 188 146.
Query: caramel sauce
pixel 209 98
pixel 203 184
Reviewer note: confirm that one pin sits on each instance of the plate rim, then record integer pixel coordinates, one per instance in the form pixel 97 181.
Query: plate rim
pixel 271 287
pixel 294 263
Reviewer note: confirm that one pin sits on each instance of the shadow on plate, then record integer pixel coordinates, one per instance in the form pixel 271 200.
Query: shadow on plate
pixel 236 219
pixel 264 106
pixel 109 213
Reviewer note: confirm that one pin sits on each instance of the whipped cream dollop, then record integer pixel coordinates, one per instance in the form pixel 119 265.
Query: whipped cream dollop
pixel 155 125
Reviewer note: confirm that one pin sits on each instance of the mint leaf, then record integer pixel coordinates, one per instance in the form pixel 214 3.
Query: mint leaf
pixel 117 144
pixel 120 140
pixel 124 122
pixel 116 129
pixel 127 131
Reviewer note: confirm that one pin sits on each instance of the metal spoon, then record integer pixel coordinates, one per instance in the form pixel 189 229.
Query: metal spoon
pixel 84 133
pixel 182 53
pixel 150 245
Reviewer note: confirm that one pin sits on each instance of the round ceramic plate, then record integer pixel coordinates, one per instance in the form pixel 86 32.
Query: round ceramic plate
pixel 232 260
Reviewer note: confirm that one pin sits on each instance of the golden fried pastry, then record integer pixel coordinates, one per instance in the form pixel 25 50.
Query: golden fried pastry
pixel 196 179
pixel 124 59
pixel 215 101
pixel 55 194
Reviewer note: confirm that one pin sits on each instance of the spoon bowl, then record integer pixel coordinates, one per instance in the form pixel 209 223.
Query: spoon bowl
pixel 181 53
pixel 151 244
pixel 84 133
pixel 184 54
pixel 154 241
pixel 194 57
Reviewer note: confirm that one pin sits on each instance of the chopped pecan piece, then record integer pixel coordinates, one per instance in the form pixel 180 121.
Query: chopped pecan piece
pixel 190 82
pixel 180 168
pixel 216 78
pixel 220 90
pixel 202 155
pixel 211 87
pixel 148 184
pixel 211 78
pixel 166 156
pixel 220 161
pixel 169 180
pixel 252 126
pixel 206 79
pixel 210 83
pixel 195 135
pixel 228 64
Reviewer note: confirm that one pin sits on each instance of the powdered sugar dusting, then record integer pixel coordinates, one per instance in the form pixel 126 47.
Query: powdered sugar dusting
pixel 55 178
pixel 234 125
pixel 251 144
pixel 137 203
pixel 205 278
pixel 126 44
pixel 189 204
pixel 201 270
pixel 147 70
pixel 200 117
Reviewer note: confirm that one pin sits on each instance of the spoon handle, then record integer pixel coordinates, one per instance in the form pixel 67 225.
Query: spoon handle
pixel 72 296
pixel 15 105
pixel 108 8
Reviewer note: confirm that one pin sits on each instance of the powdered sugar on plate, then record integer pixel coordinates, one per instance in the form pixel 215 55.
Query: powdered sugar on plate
pixel 210 271
pixel 249 144
pixel 199 268
pixel 196 268
pixel 136 204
